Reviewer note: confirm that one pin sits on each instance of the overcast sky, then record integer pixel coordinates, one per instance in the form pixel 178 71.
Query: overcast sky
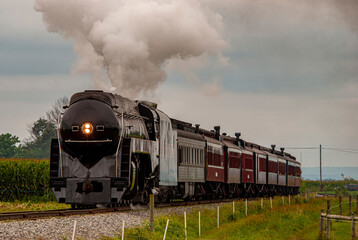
pixel 288 75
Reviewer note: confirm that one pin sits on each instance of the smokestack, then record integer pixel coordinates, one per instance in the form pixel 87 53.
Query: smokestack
pixel 237 135
pixel 273 148
pixel 197 128
pixel 217 132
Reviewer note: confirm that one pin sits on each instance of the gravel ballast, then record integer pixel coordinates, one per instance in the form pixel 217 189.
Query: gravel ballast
pixel 87 227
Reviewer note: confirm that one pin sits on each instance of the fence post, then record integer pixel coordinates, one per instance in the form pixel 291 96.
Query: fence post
pixel 306 197
pixel 262 203
pixel 340 206
pixel 218 216
pixel 233 210
pixel 166 228
pixel 328 221
pixel 289 199
pixel 123 230
pixel 185 225
pixel 356 203
pixel 321 224
pixel 246 207
pixel 353 228
pixel 350 204
pixel 283 200
pixel 271 201
pixel 151 209
pixel 74 230
pixel 199 225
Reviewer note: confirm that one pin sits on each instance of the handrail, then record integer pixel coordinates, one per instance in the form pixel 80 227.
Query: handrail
pixel 119 143
pixel 59 143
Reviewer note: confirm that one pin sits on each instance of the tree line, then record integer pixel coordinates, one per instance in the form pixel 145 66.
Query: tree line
pixel 41 132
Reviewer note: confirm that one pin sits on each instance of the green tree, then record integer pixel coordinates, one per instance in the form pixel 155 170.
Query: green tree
pixel 8 148
pixel 42 131
pixel 39 143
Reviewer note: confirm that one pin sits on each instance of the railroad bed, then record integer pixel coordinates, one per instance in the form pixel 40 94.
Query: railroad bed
pixel 31 215
pixel 91 226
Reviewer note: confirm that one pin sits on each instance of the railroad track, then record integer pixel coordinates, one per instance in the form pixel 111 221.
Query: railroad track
pixel 58 213
pixel 31 215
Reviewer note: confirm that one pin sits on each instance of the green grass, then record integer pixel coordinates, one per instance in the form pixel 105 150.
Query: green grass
pixel 18 206
pixel 300 220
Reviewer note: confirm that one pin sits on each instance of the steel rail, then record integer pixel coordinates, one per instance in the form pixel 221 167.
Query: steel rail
pixel 31 215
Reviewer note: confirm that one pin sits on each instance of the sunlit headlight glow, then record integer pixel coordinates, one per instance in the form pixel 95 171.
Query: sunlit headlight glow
pixel 87 128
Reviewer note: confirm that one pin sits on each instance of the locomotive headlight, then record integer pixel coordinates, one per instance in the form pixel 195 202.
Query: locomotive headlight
pixel 87 128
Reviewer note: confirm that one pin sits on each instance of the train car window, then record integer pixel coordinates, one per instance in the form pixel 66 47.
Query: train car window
pixel 180 154
pixel 282 168
pixel 273 166
pixel 262 164
pixel 201 157
pixel 234 160
pixel 192 156
pixel 188 155
pixel 196 156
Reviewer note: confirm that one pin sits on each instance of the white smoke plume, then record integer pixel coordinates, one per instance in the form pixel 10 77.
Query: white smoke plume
pixel 131 41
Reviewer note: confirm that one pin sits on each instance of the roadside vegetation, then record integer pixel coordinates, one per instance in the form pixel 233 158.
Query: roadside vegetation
pixel 299 220
pixel 329 187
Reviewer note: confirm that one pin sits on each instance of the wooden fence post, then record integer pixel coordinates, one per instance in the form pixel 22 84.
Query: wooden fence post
pixel 233 210
pixel 356 203
pixel 218 216
pixel 74 230
pixel 185 232
pixel 151 209
pixel 123 230
pixel 350 204
pixel 340 206
pixel 246 207
pixel 321 225
pixel 166 228
pixel 199 226
pixel 328 221
pixel 353 228
pixel 271 202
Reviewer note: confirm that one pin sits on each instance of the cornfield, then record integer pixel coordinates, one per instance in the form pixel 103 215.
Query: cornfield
pixel 24 180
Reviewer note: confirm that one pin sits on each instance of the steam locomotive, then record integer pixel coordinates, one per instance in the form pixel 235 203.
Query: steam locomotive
pixel 112 150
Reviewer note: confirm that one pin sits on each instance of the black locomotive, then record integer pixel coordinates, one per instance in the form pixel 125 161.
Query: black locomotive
pixel 111 150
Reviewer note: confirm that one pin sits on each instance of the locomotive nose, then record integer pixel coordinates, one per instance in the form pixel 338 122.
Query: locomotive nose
pixel 89 130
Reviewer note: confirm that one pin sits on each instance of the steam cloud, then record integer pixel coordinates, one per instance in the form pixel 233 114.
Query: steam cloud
pixel 131 41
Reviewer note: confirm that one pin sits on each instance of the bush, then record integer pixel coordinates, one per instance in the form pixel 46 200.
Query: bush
pixel 25 180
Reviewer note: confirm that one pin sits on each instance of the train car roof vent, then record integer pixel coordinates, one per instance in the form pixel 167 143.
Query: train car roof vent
pixel 217 132
pixel 273 148
pixel 237 135
pixel 197 128
pixel 282 149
